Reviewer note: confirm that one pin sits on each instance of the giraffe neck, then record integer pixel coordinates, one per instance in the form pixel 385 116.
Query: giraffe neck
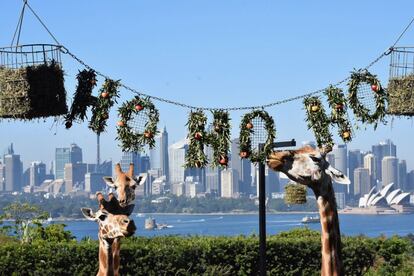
pixel 106 263
pixel 330 232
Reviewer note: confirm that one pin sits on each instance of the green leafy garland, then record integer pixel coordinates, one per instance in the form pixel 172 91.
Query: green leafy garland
pixel 318 121
pixel 82 98
pixel 100 112
pixel 247 129
pixel 337 102
pixel 130 140
pixel 381 97
pixel 195 157
pixel 219 138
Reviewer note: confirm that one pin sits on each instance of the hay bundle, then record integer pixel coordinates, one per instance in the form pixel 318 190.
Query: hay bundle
pixel 32 92
pixel 295 194
pixel 401 96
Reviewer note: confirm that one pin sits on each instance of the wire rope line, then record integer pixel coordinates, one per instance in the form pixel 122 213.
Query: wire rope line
pixel 65 50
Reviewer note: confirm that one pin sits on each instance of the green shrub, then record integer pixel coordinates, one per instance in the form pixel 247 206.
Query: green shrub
pixel 295 252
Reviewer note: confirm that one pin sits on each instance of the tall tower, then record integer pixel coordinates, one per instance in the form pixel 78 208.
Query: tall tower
pixel 164 154
pixel 354 161
pixel 131 158
pixel 385 148
pixel 402 174
pixel 177 171
pixel 243 168
pixel 64 156
pixel 362 181
pixel 13 171
pixel 341 163
pixel 389 170
pixel 370 163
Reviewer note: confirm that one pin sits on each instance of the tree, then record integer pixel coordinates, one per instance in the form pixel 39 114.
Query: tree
pixel 23 215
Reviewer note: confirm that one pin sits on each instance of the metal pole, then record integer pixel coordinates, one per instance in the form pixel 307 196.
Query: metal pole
pixel 262 216
pixel 262 205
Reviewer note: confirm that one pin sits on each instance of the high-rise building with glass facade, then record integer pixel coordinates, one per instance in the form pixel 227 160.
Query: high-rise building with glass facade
pixel 63 156
pixel 383 149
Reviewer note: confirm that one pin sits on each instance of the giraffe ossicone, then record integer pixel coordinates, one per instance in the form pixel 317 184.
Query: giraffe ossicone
pixel 125 184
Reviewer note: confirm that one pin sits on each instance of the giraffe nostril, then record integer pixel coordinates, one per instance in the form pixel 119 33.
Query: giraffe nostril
pixel 126 221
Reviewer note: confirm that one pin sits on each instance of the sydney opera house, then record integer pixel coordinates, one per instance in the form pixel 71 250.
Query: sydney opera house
pixel 387 199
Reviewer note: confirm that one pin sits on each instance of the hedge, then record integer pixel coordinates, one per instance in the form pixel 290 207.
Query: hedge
pixel 291 253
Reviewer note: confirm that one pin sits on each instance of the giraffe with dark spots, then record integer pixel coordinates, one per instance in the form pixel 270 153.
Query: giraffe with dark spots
pixel 111 229
pixel 308 166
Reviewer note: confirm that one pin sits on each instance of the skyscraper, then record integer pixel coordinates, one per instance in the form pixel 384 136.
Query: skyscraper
pixel 74 176
pixel 13 171
pixel 64 156
pixel 164 162
pixel 37 173
pixel 177 171
pixel 2 177
pixel 402 174
pixel 243 168
pixel 213 180
pixel 362 182
pixel 370 163
pixel 389 170
pixel 355 160
pixel 229 183
pixel 341 160
pixel 385 148
pixel 128 158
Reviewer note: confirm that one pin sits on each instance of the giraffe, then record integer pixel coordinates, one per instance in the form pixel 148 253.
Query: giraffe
pixel 111 229
pixel 309 167
pixel 125 185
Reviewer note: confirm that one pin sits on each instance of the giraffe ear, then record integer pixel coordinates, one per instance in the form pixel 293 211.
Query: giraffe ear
pixel 141 179
pixel 109 181
pixel 337 176
pixel 88 213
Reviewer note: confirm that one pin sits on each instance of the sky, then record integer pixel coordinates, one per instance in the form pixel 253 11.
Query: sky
pixel 211 53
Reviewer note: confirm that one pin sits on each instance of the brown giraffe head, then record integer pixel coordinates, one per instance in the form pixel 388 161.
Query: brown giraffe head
pixel 110 226
pixel 306 166
pixel 125 184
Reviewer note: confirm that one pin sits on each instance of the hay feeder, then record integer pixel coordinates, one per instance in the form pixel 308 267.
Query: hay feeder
pixel 401 82
pixel 295 193
pixel 31 82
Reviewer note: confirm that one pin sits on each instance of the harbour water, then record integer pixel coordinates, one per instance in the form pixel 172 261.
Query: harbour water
pixel 246 224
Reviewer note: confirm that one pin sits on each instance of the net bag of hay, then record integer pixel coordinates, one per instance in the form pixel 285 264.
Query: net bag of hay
pixel 295 193
pixel 31 82
pixel 401 82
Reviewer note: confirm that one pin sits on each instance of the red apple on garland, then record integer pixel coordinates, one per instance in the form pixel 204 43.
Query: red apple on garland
pixel 139 107
pixel 148 134
pixel 198 136
pixel 244 154
pixel 375 88
pixel 249 125
pixel 223 160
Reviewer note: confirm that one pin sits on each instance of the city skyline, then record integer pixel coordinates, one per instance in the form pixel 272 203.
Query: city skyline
pixel 73 174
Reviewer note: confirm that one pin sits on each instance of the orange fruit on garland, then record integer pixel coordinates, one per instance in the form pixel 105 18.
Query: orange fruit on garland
pixel 104 94
pixel 121 123
pixel 249 125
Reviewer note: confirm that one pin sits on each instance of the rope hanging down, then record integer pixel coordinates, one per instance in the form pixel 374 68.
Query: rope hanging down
pixel 320 91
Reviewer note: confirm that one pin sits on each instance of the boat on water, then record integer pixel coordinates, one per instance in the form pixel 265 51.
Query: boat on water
pixel 140 215
pixel 310 219
pixel 151 224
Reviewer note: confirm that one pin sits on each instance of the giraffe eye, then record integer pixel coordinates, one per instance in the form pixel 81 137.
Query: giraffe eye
pixel 314 159
pixel 102 217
